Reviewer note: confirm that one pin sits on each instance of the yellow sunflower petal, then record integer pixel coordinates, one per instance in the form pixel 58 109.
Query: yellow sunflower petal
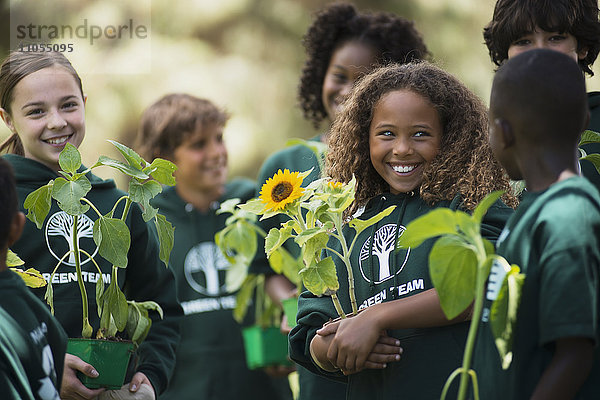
pixel 282 189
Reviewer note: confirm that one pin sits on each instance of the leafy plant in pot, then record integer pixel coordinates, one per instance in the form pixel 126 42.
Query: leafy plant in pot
pixel 117 315
pixel 263 342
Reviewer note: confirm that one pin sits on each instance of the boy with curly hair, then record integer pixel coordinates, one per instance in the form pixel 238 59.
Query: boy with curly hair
pixel 568 26
pixel 32 343
pixel 538 108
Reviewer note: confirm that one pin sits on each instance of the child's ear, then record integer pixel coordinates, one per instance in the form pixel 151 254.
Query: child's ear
pixel 582 53
pixel 84 99
pixel 16 228
pixel 7 120
pixel 507 137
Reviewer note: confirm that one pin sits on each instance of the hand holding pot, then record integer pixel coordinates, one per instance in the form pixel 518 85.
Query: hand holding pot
pixel 71 387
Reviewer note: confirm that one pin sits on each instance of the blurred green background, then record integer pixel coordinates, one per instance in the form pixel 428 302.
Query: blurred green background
pixel 245 55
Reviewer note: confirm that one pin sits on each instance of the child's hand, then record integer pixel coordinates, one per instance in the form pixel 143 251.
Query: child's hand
pixel 71 387
pixel 359 343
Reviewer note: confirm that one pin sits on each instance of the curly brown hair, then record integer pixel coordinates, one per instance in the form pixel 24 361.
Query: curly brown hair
pixel 171 120
pixel 395 38
pixel 464 165
pixel 514 18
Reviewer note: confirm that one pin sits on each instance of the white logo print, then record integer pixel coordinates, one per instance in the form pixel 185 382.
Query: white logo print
pixel 59 231
pixel 384 242
pixel 202 266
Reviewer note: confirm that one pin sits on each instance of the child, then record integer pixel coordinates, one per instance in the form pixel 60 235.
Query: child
pixel 42 103
pixel 554 236
pixel 33 344
pixel 568 26
pixel 341 46
pixel 414 137
pixel 210 358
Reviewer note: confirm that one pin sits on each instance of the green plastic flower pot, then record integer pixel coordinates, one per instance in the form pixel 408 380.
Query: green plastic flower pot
pixel 290 308
pixel 109 358
pixel 265 347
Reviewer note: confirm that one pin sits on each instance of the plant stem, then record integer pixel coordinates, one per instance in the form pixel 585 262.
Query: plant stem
pixel 86 330
pixel 346 260
pixel 481 278
pixel 338 305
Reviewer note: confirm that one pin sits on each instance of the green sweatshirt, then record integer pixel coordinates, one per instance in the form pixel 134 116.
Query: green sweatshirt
pixel 296 158
pixel 382 275
pixel 210 357
pixel 554 236
pixel 32 344
pixel 145 278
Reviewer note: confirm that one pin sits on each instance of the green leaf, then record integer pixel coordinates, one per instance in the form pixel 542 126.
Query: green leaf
pixel 166 237
pixel 589 136
pixel 276 237
pixel 138 320
pixel 244 297
pixel 142 193
pixel 312 244
pixel 485 204
pixel 99 294
pixel 38 203
pixel 503 316
pixel 360 225
pixel 321 277
pixel 13 260
pixel 112 237
pixel 437 222
pixel 162 170
pixel 32 277
pixel 115 306
pixel 254 206
pixel 49 295
pixel 594 159
pixel 68 194
pixel 131 156
pixel 228 206
pixel 453 269
pixel 121 166
pixel 69 159
pixel 282 262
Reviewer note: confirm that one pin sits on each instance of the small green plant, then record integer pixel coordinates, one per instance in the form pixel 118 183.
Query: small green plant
pixel 586 138
pixel 316 216
pixel 110 233
pixel 459 264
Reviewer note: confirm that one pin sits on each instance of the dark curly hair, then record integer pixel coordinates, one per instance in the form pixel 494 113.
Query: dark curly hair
pixel 514 18
pixel 465 164
pixel 395 38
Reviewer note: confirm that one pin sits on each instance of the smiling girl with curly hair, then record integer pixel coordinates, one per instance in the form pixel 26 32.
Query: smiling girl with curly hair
pixel 416 138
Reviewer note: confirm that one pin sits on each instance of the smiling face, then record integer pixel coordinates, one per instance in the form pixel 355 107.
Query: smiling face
pixel 47 111
pixel 404 136
pixel 348 63
pixel 541 39
pixel 202 162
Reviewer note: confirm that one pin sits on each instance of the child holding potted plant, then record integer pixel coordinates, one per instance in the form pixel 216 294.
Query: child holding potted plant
pixel 413 136
pixel 32 342
pixel 554 235
pixel 42 103
pixel 210 359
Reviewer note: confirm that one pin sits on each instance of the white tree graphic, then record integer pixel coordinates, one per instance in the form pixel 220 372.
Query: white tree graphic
pixel 207 259
pixel 61 224
pixel 383 245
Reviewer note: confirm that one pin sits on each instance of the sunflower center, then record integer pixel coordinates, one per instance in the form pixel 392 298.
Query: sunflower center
pixel 281 191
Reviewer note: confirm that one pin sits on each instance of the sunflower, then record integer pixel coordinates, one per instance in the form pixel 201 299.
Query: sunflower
pixel 282 189
pixel 335 185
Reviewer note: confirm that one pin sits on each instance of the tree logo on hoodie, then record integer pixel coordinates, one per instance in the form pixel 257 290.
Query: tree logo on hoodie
pixel 59 231
pixel 204 268
pixel 374 259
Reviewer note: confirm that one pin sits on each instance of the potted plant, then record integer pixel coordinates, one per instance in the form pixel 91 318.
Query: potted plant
pixel 112 237
pixel 263 342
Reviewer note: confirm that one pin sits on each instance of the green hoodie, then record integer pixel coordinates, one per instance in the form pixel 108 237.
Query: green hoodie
pixel 210 358
pixel 145 278
pixel 32 343
pixel 381 275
